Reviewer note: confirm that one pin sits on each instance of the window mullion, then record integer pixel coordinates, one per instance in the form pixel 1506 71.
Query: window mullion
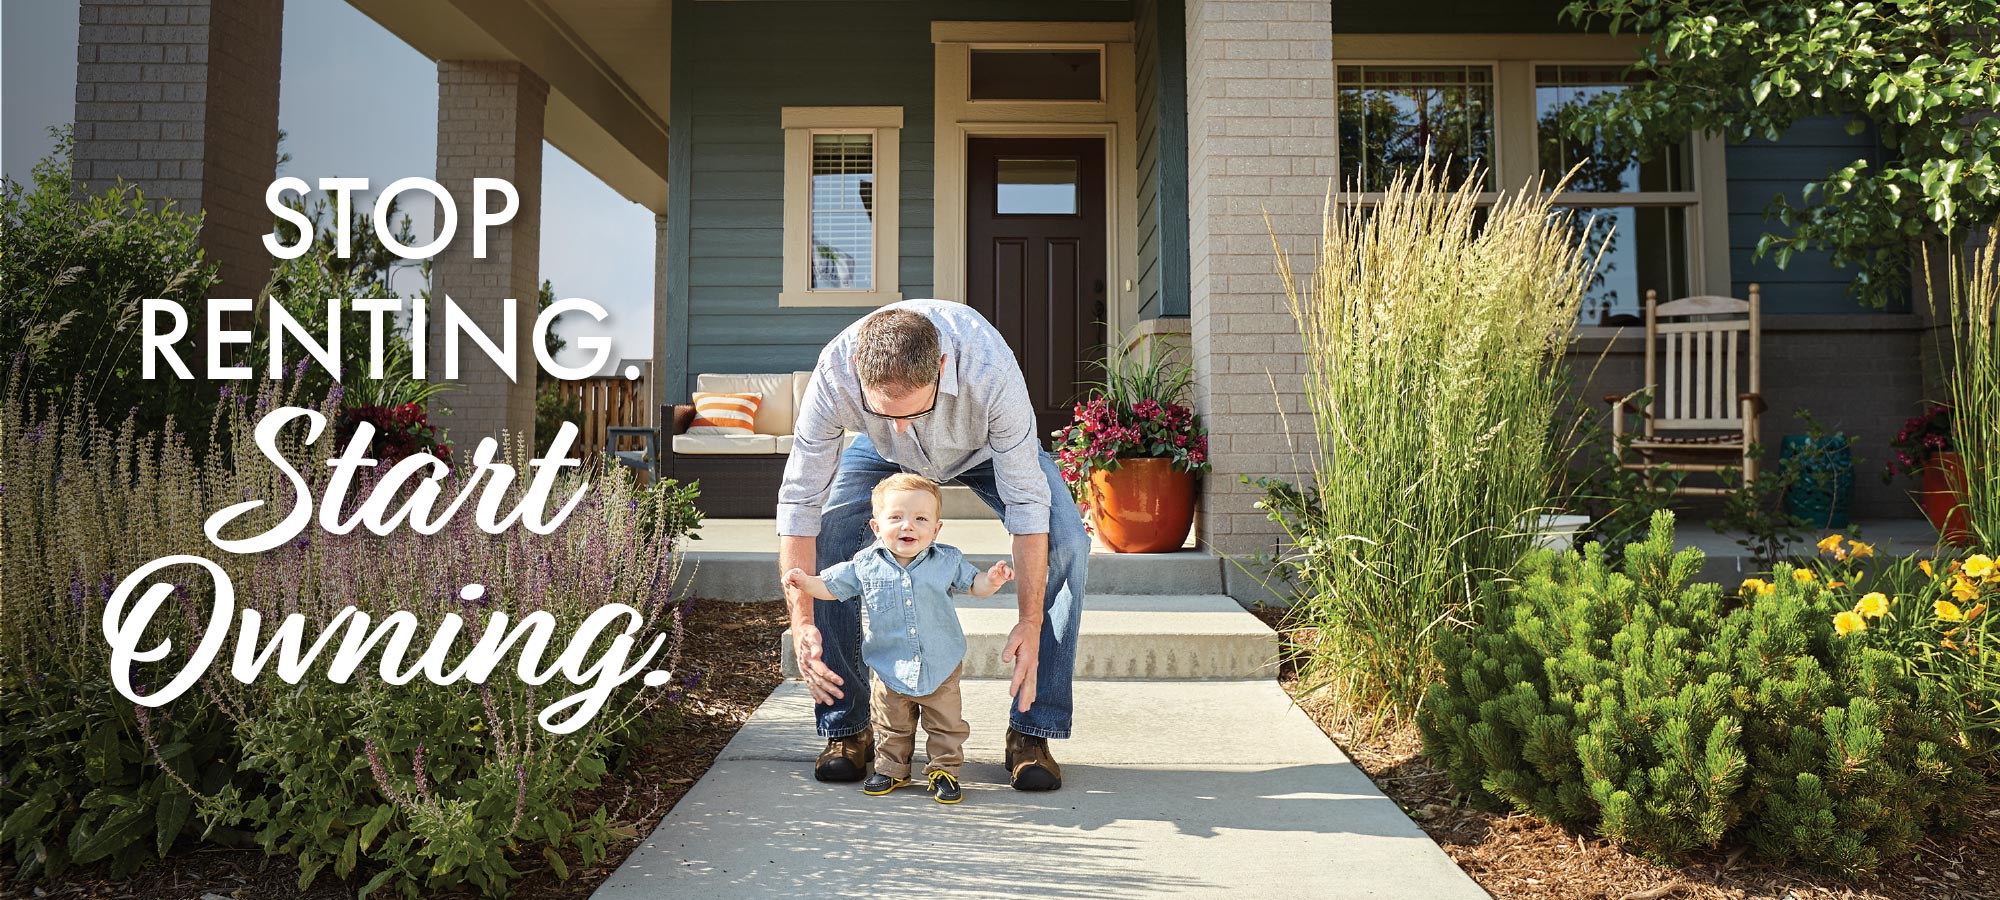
pixel 1516 155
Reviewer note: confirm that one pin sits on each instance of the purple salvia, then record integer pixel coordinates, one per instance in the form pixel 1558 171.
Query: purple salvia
pixel 76 590
pixel 423 779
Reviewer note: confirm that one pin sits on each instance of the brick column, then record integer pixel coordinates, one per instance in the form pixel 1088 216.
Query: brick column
pixel 1260 141
pixel 489 126
pixel 180 98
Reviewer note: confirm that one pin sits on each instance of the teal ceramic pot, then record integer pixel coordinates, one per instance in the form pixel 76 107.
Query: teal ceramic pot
pixel 1824 494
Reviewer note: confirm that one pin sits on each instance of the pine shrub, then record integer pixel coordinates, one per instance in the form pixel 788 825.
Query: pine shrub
pixel 1670 716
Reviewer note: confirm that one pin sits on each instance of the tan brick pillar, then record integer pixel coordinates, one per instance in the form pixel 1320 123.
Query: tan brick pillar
pixel 489 126
pixel 180 98
pixel 1260 141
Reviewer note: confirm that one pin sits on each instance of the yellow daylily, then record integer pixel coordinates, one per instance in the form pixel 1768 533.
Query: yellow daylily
pixel 1949 611
pixel 1859 550
pixel 1831 544
pixel 1849 622
pixel 1979 566
pixel 1965 589
pixel 1925 565
pixel 1974 612
pixel 1874 606
pixel 1754 586
pixel 1804 576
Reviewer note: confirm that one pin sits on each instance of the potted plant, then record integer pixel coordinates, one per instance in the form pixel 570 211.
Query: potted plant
pixel 1132 454
pixel 1924 449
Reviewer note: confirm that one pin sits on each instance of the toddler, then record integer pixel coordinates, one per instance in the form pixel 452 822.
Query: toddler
pixel 913 641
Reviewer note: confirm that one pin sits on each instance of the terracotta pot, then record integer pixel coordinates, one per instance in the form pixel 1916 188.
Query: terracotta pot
pixel 1942 494
pixel 1143 506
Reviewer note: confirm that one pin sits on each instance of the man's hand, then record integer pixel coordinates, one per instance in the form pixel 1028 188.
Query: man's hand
pixel 1000 574
pixel 1024 650
pixel 820 680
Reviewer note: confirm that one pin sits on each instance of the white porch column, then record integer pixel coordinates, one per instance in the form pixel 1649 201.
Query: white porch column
pixel 489 126
pixel 1261 136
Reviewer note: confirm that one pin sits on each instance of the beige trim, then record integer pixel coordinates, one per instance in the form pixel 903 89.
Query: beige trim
pixel 841 117
pixel 943 32
pixel 1115 119
pixel 800 124
pixel 1513 58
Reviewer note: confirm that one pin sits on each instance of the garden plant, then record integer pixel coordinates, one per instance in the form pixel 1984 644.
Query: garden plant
pixel 1432 329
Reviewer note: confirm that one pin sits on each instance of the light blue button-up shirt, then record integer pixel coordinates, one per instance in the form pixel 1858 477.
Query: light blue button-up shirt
pixel 912 638
pixel 983 413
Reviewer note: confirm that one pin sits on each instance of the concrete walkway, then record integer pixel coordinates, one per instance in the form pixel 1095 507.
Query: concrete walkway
pixel 1171 788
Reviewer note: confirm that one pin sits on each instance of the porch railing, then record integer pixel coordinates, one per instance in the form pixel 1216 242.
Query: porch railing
pixel 608 402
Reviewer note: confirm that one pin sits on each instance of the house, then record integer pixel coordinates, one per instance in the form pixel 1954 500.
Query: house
pixel 1072 168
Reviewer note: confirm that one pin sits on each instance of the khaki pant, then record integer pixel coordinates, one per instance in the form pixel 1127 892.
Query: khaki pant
pixel 896 719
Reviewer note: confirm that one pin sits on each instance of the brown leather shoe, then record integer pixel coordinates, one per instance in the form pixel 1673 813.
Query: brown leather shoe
pixel 1030 765
pixel 845 758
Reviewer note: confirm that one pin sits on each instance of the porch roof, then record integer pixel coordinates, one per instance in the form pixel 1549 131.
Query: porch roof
pixel 607 63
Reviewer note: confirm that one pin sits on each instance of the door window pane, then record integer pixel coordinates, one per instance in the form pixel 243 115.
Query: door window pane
pixel 1036 75
pixel 1036 187
pixel 1391 115
pixel 843 212
pixel 1641 248
pixel 1559 92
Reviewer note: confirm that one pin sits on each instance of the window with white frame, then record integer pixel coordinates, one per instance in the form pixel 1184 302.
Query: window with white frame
pixel 1510 118
pixel 841 196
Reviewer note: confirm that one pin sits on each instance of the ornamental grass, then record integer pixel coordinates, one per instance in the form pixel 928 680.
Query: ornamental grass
pixel 1973 305
pixel 1433 327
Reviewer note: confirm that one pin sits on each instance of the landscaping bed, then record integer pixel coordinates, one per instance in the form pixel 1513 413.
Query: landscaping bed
pixel 733 645
pixel 1517 857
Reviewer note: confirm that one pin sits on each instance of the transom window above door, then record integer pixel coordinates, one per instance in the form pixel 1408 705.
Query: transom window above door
pixel 1036 74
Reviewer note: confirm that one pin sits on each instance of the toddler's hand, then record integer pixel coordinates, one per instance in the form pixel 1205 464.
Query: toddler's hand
pixel 1000 574
pixel 795 578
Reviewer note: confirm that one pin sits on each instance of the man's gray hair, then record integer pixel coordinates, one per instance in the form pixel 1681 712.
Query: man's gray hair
pixel 897 351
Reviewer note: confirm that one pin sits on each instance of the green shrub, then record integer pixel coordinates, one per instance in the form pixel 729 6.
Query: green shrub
pixel 75 269
pixel 1670 716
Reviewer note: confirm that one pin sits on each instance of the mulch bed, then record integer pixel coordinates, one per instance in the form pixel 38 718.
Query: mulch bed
pixel 734 644
pixel 1516 857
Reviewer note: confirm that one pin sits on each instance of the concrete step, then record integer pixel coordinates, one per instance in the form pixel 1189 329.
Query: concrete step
pixel 961 503
pixel 1127 638
pixel 752 575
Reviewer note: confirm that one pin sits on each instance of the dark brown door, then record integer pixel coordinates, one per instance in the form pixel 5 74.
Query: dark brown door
pixel 1035 261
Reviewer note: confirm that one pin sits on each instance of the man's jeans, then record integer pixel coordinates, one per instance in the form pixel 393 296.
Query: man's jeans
pixel 844 531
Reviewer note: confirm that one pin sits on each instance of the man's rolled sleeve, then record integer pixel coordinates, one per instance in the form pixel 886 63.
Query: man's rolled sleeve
pixel 1017 458
pixel 814 461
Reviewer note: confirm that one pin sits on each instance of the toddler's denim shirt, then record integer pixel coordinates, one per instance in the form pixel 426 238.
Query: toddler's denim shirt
pixel 912 640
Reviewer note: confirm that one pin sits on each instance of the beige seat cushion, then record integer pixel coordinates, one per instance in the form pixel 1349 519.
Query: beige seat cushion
pixel 779 406
pixel 689 444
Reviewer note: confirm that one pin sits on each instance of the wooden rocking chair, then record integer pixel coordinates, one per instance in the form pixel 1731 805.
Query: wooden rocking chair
pixel 1695 409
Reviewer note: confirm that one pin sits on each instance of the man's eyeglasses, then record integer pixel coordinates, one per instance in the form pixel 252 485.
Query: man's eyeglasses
pixel 936 388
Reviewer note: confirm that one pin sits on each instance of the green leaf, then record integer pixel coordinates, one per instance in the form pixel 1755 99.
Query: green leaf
pixel 170 816
pixel 1856 126
pixel 119 830
pixel 348 851
pixel 375 824
pixel 1762 90
pixel 27 818
pixel 556 862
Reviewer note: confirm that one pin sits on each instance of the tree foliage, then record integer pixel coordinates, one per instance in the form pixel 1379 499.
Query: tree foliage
pixel 1924 75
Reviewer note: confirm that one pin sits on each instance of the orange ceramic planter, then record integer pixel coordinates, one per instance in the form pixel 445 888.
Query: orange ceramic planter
pixel 1942 496
pixel 1143 506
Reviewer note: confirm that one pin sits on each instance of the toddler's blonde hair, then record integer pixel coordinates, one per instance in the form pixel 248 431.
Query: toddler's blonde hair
pixel 905 481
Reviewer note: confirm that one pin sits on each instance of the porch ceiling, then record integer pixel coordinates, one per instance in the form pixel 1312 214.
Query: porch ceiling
pixel 606 62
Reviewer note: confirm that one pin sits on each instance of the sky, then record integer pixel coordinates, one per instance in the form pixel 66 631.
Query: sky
pixel 355 101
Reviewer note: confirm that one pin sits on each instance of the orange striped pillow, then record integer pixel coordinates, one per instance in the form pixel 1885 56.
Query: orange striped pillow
pixel 725 413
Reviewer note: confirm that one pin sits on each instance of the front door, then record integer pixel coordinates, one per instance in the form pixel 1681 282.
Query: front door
pixel 1035 265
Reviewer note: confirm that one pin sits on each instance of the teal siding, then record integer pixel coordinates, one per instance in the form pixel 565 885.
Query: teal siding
pixel 1761 170
pixel 1161 63
pixel 735 65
